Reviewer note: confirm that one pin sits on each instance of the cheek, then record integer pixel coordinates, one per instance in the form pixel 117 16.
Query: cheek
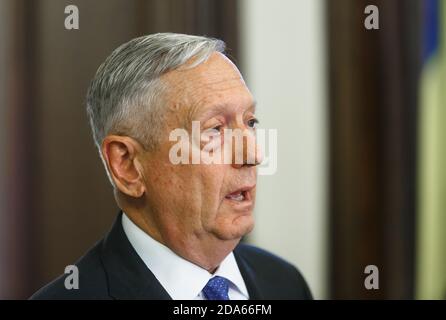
pixel 195 189
pixel 212 178
pixel 171 189
pixel 186 188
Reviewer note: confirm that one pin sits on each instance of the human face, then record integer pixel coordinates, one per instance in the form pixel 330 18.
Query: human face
pixel 203 200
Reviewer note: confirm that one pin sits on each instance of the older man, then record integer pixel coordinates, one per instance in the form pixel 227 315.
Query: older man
pixel 178 234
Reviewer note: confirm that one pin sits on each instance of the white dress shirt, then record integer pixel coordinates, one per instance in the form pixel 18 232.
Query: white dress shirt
pixel 182 279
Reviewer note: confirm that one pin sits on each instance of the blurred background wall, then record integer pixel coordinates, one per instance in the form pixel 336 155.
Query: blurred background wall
pixel 359 114
pixel 374 78
pixel 58 201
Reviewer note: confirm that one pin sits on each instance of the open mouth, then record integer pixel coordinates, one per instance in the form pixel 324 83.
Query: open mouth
pixel 237 196
pixel 240 195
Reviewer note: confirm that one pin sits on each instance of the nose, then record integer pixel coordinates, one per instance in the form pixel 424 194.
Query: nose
pixel 245 150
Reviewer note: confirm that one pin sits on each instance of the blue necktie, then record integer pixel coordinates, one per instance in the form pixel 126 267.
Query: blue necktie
pixel 217 289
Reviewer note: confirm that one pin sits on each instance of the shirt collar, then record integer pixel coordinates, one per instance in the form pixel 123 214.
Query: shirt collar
pixel 182 279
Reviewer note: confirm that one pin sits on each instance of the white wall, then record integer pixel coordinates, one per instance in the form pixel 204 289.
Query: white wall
pixel 283 61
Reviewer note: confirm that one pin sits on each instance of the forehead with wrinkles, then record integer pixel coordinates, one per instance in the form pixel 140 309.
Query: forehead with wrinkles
pixel 193 87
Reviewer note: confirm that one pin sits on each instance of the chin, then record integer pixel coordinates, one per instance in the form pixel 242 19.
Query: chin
pixel 236 229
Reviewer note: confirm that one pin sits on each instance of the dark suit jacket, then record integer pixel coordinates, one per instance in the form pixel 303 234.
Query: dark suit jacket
pixel 113 270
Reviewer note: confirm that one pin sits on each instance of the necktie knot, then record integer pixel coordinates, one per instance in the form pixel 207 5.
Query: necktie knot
pixel 217 288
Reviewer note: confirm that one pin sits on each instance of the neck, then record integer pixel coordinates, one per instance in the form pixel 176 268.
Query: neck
pixel 206 251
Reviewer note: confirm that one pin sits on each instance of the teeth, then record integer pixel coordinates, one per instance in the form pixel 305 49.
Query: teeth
pixel 236 197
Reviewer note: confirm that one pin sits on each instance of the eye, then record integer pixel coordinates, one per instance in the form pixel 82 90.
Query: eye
pixel 252 122
pixel 214 131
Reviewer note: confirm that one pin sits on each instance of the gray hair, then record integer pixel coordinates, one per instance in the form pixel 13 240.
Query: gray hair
pixel 123 97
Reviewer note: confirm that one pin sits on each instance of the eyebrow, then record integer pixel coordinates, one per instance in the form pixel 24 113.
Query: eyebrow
pixel 217 109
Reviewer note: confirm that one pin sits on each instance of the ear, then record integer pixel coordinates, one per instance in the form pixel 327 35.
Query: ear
pixel 120 154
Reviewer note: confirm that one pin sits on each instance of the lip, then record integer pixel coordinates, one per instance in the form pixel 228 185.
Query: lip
pixel 246 189
pixel 245 205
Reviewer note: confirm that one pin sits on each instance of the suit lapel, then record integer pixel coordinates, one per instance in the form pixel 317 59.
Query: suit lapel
pixel 249 277
pixel 128 276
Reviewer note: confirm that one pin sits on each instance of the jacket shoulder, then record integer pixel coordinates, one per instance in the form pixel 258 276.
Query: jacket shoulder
pixel 278 278
pixel 92 282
